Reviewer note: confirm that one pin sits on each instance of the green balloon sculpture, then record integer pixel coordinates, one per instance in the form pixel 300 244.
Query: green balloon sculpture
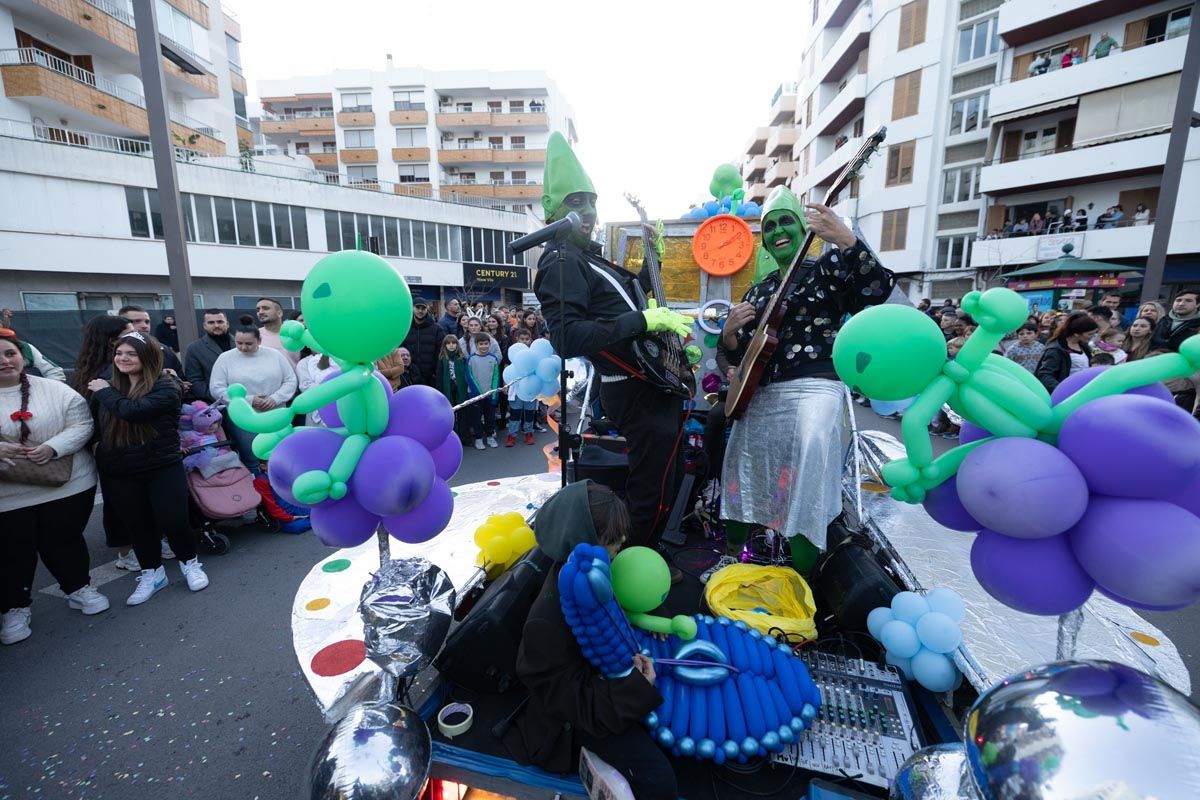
pixel 892 352
pixel 357 309
pixel 727 182
pixel 641 581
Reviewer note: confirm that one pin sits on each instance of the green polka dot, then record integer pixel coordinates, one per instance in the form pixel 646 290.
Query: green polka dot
pixel 710 340
pixel 454 494
pixel 337 565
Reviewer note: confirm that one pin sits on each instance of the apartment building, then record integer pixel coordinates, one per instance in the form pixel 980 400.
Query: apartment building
pixel 767 161
pixel 471 134
pixel 1087 134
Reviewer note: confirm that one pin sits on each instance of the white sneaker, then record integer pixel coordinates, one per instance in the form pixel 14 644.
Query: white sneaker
pixel 491 442
pixel 149 582
pixel 193 572
pixel 128 562
pixel 167 552
pixel 15 627
pixel 479 444
pixel 87 600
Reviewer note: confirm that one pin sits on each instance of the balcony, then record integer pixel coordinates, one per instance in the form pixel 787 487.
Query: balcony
pixel 359 155
pixel 60 88
pixel 757 192
pixel 780 173
pixel 758 141
pixel 1025 21
pixel 837 12
pixel 517 155
pixel 414 189
pixel 237 80
pixel 470 189
pixel 474 119
pixel 196 9
pixel 831 165
pixel 1118 69
pixel 1132 241
pixel 781 140
pixel 305 123
pixel 517 190
pixel 783 109
pixel 846 49
pixel 466 155
pixel 408 154
pixel 845 106
pixel 755 168
pixel 324 159
pixel 1128 157
pixel 356 119
pixel 533 120
pixel 408 116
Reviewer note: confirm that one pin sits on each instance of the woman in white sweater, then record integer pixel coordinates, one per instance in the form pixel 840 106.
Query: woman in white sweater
pixel 42 420
pixel 268 376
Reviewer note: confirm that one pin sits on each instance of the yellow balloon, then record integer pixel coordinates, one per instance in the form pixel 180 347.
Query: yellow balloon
pixel 498 550
pixel 522 540
pixel 485 532
pixel 512 519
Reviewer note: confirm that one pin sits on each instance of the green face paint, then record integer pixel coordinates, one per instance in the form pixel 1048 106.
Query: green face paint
pixel 583 204
pixel 782 234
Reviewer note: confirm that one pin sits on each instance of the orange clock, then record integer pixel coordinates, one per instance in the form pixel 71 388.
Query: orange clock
pixel 722 245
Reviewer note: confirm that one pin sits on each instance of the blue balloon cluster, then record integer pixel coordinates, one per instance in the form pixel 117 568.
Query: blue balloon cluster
pixel 919 633
pixel 726 206
pixel 586 595
pixel 534 369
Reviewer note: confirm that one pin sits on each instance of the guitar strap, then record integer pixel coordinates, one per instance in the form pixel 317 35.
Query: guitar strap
pixel 604 272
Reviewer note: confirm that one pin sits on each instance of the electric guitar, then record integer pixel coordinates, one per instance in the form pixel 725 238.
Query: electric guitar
pixel 660 356
pixel 766 336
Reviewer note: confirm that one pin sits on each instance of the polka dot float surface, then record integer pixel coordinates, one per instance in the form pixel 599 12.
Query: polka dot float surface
pixel 339 658
pixel 337 565
pixel 317 604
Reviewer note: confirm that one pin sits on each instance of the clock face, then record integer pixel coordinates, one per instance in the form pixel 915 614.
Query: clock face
pixel 722 245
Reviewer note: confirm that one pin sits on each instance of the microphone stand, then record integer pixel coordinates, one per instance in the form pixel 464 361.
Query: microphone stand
pixel 564 436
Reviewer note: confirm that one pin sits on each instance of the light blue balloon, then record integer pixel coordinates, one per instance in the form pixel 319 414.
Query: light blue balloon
pixel 516 348
pixel 878 618
pixel 711 207
pixel 542 348
pixel 934 671
pixel 948 602
pixel 524 363
pixel 528 389
pixel 902 664
pixel 548 368
pixel 909 606
pixel 549 388
pixel 900 639
pixel 726 200
pixel 510 374
pixel 938 632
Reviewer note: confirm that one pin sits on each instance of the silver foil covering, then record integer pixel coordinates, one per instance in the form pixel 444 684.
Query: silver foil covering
pixel 940 772
pixel 406 608
pixel 998 641
pixel 375 752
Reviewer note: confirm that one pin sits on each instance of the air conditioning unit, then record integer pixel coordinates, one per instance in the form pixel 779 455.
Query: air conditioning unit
pixel 447 137
pixel 478 135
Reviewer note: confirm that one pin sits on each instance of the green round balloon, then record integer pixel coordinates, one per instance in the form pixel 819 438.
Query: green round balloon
pixel 889 352
pixel 356 306
pixel 725 181
pixel 641 579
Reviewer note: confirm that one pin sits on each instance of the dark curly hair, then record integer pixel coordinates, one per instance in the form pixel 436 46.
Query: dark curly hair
pixel 96 351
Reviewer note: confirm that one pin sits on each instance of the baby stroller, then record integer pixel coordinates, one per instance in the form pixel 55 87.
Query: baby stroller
pixel 221 488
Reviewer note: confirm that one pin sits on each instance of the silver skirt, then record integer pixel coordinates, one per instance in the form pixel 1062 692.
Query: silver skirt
pixel 784 459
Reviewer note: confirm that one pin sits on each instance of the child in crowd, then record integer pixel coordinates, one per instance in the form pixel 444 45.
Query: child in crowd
pixel 946 422
pixel 483 375
pixel 1099 358
pixel 1027 350
pixel 1111 342
pixel 520 412
pixel 451 376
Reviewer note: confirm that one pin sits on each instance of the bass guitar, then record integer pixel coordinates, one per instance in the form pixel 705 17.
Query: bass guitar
pixel 660 356
pixel 766 336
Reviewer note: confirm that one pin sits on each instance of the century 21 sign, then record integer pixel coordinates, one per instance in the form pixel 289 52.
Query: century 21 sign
pixel 513 277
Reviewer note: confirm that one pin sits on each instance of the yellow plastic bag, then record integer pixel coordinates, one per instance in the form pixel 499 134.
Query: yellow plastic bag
pixel 768 599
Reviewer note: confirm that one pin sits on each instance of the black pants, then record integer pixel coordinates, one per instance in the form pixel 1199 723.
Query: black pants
pixel 651 422
pixel 151 505
pixel 643 763
pixel 52 530
pixel 714 439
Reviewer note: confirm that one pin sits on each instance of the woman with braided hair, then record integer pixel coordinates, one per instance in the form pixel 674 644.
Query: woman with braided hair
pixel 44 503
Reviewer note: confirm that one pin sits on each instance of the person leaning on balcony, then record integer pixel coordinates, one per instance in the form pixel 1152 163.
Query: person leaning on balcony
pixel 1040 65
pixel 1067 59
pixel 1142 215
pixel 1104 46
pixel 1081 220
pixel 1036 225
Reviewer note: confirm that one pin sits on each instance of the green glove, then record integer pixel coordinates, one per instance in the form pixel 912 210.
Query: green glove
pixel 665 320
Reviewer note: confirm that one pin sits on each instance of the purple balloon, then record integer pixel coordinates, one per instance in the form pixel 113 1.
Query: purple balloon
pixel 1159 446
pixel 305 450
pixel 1036 576
pixel 1116 598
pixel 1145 550
pixel 447 457
pixel 1189 496
pixel 1023 488
pixel 343 523
pixel 393 476
pixel 942 503
pixel 970 432
pixel 1073 383
pixel 421 413
pixel 328 413
pixel 426 520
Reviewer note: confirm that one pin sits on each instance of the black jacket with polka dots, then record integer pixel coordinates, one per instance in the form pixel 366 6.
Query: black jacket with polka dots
pixel 838 283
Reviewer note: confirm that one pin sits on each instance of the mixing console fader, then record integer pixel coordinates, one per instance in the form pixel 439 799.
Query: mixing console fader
pixel 866 727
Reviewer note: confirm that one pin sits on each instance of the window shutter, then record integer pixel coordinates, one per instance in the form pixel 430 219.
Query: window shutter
pixel 889 229
pixel 1082 43
pixel 1135 33
pixel 900 97
pixel 893 165
pixel 900 229
pixel 914 93
pixel 906 26
pixel 1011 150
pixel 908 154
pixel 1020 70
pixel 920 19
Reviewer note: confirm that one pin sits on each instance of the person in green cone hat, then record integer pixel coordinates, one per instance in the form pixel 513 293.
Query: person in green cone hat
pixel 782 466
pixel 594 309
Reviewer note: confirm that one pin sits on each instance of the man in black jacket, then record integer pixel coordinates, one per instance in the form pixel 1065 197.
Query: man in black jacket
pixel 594 309
pixel 449 321
pixel 1182 321
pixel 201 354
pixel 423 341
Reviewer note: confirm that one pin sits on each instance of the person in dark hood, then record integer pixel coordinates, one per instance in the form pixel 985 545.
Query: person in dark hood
pixel 570 704
pixel 423 341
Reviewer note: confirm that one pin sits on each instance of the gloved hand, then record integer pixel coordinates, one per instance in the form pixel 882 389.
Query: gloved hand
pixel 665 320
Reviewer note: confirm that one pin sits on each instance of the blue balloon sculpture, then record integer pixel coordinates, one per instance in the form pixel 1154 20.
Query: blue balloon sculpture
pixel 919 633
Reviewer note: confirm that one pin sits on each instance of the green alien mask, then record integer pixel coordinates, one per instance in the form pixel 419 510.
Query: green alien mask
pixel 784 225
pixel 568 188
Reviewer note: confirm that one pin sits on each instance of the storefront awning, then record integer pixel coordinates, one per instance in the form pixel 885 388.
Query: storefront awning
pixel 1033 111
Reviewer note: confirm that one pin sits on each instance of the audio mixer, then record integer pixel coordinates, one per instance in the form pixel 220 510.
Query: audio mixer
pixel 865 729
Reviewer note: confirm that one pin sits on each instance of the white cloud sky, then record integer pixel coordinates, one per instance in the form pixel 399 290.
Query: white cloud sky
pixel 663 92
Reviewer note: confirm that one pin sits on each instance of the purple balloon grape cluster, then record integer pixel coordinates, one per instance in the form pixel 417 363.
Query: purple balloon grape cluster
pixel 400 480
pixel 1115 507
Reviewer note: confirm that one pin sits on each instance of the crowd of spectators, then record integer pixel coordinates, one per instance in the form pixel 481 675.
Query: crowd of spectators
pixel 1071 222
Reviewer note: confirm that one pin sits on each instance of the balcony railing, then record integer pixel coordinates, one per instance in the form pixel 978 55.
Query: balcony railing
pixel 1117 51
pixel 113 11
pixel 241 121
pixel 187 51
pixel 273 117
pixel 358 109
pixel 404 105
pixel 40 58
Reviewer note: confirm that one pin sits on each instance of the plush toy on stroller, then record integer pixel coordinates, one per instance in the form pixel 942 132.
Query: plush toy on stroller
pixel 222 489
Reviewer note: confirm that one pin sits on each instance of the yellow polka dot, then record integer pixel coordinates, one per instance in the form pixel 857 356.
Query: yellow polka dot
pixel 318 604
pixel 1144 638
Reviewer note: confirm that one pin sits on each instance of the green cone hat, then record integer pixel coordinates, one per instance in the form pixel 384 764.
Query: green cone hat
pixel 765 265
pixel 564 175
pixel 784 199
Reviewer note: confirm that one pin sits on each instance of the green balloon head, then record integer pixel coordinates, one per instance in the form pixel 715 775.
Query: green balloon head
pixel 356 306
pixel 725 181
pixel 641 579
pixel 784 225
pixel 889 352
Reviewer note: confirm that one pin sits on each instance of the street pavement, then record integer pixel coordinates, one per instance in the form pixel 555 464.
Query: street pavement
pixel 200 694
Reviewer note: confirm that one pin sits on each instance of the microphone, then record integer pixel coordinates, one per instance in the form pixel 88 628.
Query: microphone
pixel 555 230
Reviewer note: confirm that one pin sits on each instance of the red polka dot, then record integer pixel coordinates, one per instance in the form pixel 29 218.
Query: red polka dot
pixel 493 483
pixel 339 657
